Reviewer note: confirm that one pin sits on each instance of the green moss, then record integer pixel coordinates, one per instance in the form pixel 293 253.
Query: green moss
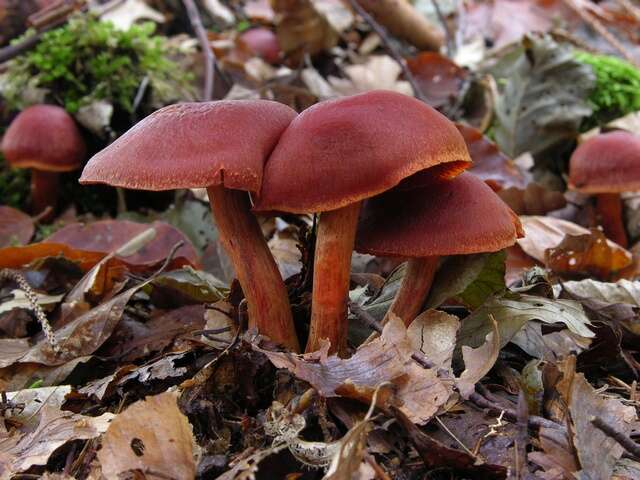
pixel 617 91
pixel 88 60
pixel 14 185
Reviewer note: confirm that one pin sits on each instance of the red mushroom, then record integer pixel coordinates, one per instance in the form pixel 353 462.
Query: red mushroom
pixel 45 139
pixel 455 216
pixel 607 165
pixel 338 153
pixel 221 146
pixel 263 42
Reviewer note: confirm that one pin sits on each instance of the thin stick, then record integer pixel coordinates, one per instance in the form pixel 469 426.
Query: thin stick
pixel 209 58
pixel 622 438
pixel 447 31
pixel 386 41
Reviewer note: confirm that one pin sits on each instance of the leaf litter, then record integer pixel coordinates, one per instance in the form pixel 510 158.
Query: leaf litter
pixel 522 364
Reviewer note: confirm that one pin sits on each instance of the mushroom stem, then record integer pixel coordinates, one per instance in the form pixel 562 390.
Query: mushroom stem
pixel 414 288
pixel 44 192
pixel 261 282
pixel 609 211
pixel 331 270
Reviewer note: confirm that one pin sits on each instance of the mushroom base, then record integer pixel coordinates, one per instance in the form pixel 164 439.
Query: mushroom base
pixel 44 193
pixel 609 211
pixel 414 289
pixel 332 268
pixel 267 299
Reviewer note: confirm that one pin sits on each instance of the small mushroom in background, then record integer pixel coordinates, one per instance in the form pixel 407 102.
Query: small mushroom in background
pixel 45 139
pixel 221 146
pixel 441 217
pixel 263 42
pixel 333 156
pixel 607 165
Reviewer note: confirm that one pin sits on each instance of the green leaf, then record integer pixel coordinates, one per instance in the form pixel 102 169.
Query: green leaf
pixel 513 310
pixel 470 279
pixel 542 97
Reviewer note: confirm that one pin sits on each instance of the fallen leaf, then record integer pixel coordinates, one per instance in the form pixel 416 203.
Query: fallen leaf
pixel 125 14
pixel 468 279
pixel 434 333
pixel 32 401
pixel 513 310
pixel 419 390
pixel 533 200
pixel 440 80
pixel 588 254
pixel 152 435
pixel 478 361
pixel 16 227
pixel 377 72
pixel 542 233
pixel 107 236
pixel 18 299
pixel 622 291
pixel 542 98
pixel 56 428
pixel 489 163
pixel 436 454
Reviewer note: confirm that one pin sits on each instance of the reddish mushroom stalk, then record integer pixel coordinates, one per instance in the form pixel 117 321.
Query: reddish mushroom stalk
pixel 262 285
pixel 415 286
pixel 609 212
pixel 332 265
pixel 44 191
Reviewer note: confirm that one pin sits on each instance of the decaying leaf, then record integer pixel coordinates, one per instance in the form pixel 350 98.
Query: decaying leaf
pixel 440 79
pixel 479 361
pixel 152 435
pixel 489 163
pixel 468 279
pixel 107 236
pixel 513 310
pixel 419 390
pixel 377 72
pixel 533 200
pixel 16 227
pixel 56 427
pixel 542 99
pixel 542 233
pixel 434 333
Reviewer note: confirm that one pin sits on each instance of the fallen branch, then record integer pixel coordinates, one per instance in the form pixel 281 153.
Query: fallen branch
pixel 382 33
pixel 622 438
pixel 209 58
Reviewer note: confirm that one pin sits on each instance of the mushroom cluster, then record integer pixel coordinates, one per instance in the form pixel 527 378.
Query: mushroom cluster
pixel 382 170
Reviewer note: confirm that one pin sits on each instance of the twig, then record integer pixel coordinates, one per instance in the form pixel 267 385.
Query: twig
pixel 622 438
pixel 511 414
pixel 382 33
pixel 209 58
pixel 448 35
pixel 32 297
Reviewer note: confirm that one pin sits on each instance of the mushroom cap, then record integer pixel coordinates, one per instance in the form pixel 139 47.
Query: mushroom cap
pixel 191 145
pixel 606 163
pixel 341 151
pixel 448 217
pixel 44 137
pixel 263 42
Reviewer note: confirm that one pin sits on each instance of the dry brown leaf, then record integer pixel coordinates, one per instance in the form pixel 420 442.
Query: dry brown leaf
pixel 434 333
pixel 489 163
pixel 386 359
pixel 16 227
pixel 542 233
pixel 533 200
pixel 478 361
pixel 107 236
pixel 152 435
pixel 20 452
pixel 439 78
pixel 588 254
pixel 377 72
